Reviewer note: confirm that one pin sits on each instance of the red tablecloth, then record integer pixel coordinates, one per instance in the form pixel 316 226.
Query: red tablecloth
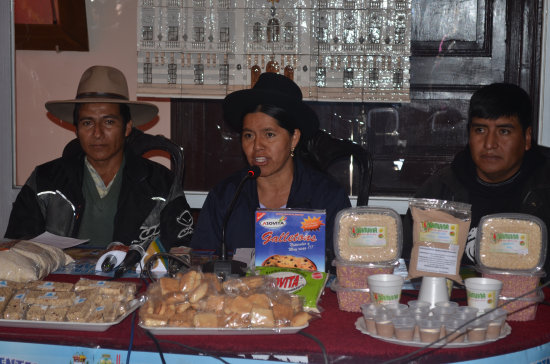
pixel 335 329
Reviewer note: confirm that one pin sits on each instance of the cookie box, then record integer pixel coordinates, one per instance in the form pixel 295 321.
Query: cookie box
pixel 290 238
pixel 355 274
pixel 512 242
pixel 350 299
pixel 368 235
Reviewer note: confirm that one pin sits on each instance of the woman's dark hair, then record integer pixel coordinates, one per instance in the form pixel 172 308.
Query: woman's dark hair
pixel 501 99
pixel 284 119
pixel 124 113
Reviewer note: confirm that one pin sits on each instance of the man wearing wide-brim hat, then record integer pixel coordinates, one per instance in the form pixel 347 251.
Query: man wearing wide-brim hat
pixel 101 191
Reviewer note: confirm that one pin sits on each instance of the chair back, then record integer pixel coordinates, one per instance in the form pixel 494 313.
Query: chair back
pixel 334 155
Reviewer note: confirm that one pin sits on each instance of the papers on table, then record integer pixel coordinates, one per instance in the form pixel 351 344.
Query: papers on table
pixel 61 242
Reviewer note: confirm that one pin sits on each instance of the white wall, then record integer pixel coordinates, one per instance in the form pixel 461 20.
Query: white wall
pixel 7 192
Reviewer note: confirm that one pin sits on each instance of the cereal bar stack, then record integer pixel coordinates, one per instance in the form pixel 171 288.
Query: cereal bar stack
pixel 85 301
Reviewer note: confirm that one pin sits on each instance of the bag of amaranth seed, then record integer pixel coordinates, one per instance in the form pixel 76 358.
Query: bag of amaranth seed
pixel 440 230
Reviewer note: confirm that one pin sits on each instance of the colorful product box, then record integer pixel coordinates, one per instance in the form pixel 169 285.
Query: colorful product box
pixel 290 238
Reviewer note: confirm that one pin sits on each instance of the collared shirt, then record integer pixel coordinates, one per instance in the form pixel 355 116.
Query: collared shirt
pixel 98 181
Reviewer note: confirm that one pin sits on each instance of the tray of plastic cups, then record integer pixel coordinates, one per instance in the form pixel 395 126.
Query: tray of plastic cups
pixel 477 329
pixel 455 330
pixel 496 319
pixel 429 329
pixel 404 327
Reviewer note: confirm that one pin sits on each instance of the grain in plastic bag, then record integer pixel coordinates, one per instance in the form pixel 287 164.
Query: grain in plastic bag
pixel 440 230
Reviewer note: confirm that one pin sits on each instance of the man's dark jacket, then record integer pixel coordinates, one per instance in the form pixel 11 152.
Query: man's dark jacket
pixel 527 192
pixel 52 200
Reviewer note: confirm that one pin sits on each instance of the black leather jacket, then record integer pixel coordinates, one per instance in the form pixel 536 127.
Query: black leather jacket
pixel 51 200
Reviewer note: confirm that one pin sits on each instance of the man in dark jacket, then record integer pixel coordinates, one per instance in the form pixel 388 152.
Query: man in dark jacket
pixel 501 170
pixel 102 191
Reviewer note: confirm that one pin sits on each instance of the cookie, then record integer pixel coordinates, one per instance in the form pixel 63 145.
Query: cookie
pixel 289 261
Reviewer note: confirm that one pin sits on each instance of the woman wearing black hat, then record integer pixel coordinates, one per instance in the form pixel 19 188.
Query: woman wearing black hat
pixel 272 120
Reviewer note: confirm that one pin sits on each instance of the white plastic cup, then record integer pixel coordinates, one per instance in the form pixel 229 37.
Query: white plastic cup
pixel 433 290
pixel 385 288
pixel 482 293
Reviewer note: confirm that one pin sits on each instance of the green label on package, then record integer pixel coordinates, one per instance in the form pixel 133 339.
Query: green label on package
pixel 438 232
pixel 512 243
pixel 303 283
pixel 369 236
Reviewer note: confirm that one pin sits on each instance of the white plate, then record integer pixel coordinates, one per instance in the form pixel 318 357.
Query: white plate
pixel 222 330
pixel 361 326
pixel 64 325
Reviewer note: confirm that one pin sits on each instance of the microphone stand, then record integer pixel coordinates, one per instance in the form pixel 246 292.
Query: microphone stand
pixel 223 267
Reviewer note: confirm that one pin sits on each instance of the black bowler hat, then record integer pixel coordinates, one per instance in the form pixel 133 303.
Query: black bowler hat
pixel 271 89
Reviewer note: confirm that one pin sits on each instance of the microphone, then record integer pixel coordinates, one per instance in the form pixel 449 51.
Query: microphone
pixel 133 257
pixel 224 267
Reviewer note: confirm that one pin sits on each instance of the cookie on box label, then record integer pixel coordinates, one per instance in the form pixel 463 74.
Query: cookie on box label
pixel 289 261
pixel 290 238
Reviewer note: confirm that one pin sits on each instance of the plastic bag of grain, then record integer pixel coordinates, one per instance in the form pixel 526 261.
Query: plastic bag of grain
pixel 355 274
pixel 511 242
pixel 350 299
pixel 368 235
pixel 514 283
pixel 521 308
pixel 440 229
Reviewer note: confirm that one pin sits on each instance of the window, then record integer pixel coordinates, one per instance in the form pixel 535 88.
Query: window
pixel 273 30
pixel 322 35
pixel 398 78
pixel 173 33
pixel 147 73
pixel 224 74
pixel 321 77
pixel 199 34
pixel 224 34
pixel 199 74
pixel 375 4
pixel 373 77
pixel 147 32
pixel 172 73
pixel 406 149
pixel 348 78
pixel 349 4
pixel 374 35
pixel 349 35
pixel 257 33
pixel 288 33
pixel 400 29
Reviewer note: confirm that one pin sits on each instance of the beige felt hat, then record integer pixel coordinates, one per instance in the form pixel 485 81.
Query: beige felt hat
pixel 103 84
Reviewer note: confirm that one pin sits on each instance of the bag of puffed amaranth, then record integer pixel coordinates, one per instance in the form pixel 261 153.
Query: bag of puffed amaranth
pixel 440 230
